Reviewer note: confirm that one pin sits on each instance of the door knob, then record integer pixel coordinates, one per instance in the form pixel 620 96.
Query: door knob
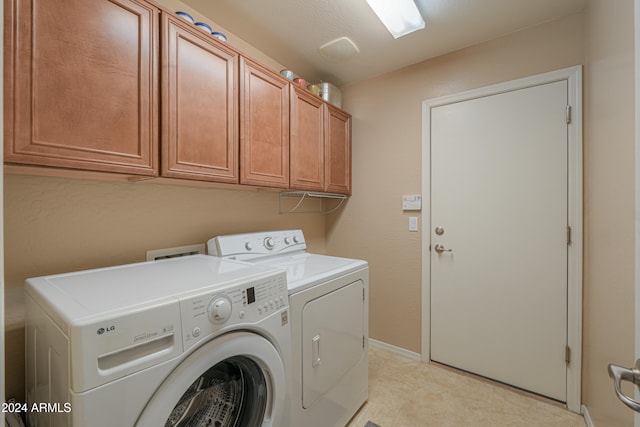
pixel 439 249
pixel 619 374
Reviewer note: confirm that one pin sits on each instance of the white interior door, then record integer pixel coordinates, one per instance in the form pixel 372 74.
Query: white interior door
pixel 499 221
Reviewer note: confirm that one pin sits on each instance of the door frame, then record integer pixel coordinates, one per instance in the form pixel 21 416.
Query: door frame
pixel 636 37
pixel 2 286
pixel 573 75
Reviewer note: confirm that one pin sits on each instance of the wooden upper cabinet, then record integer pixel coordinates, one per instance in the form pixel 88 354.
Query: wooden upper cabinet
pixel 81 84
pixel 86 87
pixel 307 141
pixel 337 151
pixel 200 105
pixel 264 126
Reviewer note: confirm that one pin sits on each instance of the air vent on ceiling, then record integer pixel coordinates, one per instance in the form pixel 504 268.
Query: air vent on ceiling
pixel 339 49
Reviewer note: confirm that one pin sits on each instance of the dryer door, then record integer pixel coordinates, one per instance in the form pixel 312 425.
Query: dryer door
pixel 332 340
pixel 235 380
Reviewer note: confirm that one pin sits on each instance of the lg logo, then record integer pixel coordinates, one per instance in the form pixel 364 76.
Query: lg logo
pixel 107 329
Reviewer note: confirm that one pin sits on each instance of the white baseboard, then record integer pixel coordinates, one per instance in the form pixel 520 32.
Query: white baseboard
pixel 397 350
pixel 587 418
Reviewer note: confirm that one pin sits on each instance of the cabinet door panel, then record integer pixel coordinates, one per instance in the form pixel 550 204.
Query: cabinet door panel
pixel 338 151
pixel 264 126
pixel 82 85
pixel 307 141
pixel 199 136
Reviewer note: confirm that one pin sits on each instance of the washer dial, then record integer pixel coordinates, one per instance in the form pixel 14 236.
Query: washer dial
pixel 219 309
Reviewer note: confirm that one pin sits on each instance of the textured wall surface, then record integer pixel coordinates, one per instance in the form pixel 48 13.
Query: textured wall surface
pixel 387 153
pixel 387 138
pixel 609 207
pixel 56 225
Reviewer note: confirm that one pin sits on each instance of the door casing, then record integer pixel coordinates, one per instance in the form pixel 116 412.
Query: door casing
pixel 636 416
pixel 573 75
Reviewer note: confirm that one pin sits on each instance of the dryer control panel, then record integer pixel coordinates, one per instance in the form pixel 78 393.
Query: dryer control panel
pixel 219 308
pixel 256 245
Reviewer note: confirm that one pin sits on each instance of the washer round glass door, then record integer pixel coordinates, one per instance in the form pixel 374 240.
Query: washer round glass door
pixel 236 380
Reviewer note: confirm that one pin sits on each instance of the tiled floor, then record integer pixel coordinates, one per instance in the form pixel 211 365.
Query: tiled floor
pixel 406 393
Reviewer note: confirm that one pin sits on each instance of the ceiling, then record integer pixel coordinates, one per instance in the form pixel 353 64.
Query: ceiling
pixel 291 31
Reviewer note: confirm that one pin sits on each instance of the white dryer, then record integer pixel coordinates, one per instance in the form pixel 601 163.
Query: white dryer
pixel 179 342
pixel 328 297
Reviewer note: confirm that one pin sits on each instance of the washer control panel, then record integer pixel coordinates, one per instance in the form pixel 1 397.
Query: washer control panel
pixel 255 245
pixel 249 302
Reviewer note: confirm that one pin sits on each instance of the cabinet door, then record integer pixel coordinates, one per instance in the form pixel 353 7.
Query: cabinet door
pixel 199 99
pixel 81 84
pixel 264 126
pixel 337 151
pixel 307 141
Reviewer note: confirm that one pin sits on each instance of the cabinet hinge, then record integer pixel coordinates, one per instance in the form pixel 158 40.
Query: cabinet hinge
pixel 567 355
pixel 568 114
pixel 568 235
pixel 363 341
pixel 363 299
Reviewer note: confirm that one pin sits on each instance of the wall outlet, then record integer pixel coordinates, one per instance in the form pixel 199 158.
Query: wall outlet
pixel 157 254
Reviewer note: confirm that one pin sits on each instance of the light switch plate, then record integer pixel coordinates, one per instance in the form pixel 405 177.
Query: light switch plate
pixel 412 202
pixel 413 223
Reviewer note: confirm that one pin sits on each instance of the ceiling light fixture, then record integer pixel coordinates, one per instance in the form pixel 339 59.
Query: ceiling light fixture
pixel 401 17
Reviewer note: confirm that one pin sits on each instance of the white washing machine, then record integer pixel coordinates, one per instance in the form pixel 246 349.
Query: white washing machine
pixel 179 342
pixel 328 297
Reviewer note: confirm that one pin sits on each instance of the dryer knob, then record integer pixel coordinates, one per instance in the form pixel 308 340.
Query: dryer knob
pixel 269 243
pixel 219 309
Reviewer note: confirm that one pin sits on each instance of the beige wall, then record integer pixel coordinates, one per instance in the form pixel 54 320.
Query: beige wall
pixel 609 205
pixel 387 163
pixel 387 131
pixel 54 225
pixel 59 224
